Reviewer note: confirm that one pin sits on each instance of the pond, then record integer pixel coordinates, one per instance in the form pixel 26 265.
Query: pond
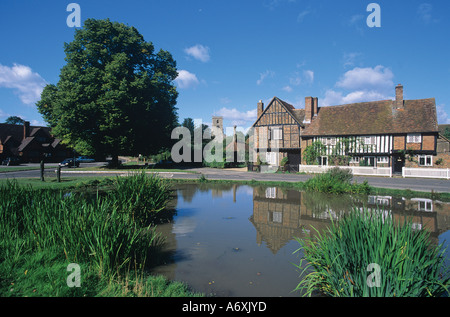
pixel 239 241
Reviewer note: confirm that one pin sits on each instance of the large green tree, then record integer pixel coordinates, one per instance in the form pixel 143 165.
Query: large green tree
pixel 115 95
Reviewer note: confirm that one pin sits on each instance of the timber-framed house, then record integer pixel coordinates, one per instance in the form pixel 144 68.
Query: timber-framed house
pixel 277 132
pixel 388 133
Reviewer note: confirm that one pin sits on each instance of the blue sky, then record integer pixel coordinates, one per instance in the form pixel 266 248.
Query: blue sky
pixel 232 53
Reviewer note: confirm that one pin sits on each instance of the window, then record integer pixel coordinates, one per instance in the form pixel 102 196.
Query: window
pixel 414 138
pixel 425 205
pixel 277 134
pixel 382 159
pixel 275 216
pixel 354 159
pixel 425 160
pixel 329 141
pixel 271 192
pixel 367 161
pixel 323 160
pixel 271 158
pixel 369 140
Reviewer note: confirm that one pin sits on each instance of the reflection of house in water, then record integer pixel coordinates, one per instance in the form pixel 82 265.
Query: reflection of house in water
pixel 276 216
pixel 280 215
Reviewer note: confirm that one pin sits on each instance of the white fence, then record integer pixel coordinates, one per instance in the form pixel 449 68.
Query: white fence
pixel 382 171
pixel 426 172
pixel 356 170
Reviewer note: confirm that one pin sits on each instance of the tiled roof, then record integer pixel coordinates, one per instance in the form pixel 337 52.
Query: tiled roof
pixel 377 117
pixel 25 143
pixel 11 130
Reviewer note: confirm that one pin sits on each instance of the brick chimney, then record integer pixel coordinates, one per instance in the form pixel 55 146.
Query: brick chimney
pixel 308 110
pixel 315 107
pixel 399 96
pixel 26 129
pixel 260 108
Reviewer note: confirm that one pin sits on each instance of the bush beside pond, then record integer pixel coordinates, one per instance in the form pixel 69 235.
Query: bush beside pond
pixel 336 181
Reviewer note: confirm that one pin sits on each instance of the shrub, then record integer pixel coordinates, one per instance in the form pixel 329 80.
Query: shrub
pixel 339 260
pixel 336 181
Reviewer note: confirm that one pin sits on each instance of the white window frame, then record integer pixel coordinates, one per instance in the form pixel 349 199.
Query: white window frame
pixel 272 158
pixel 277 133
pixel 321 159
pixel 382 159
pixel 329 141
pixel 368 158
pixel 271 192
pixel 354 159
pixel 414 138
pixel 277 216
pixel 428 160
pixel 370 140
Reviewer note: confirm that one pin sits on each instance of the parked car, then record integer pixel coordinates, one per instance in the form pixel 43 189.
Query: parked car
pixel 69 162
pixel 85 159
pixel 11 161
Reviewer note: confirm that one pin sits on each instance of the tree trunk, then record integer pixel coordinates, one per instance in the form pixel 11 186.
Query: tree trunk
pixel 114 160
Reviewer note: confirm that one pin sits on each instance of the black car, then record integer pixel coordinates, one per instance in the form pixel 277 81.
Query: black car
pixel 69 162
pixel 11 161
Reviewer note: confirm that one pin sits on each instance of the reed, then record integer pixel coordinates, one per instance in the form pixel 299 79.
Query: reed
pixel 341 261
pixel 105 233
pixel 140 195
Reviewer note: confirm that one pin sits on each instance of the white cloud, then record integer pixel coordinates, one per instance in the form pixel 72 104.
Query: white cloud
pixel 442 116
pixel 2 114
pixel 301 16
pixel 262 76
pixel 333 98
pixel 379 77
pixel 225 100
pixel 305 77
pixel 361 84
pixel 349 59
pixel 237 117
pixel 186 79
pixel 425 13
pixel 199 52
pixel 309 75
pixel 25 83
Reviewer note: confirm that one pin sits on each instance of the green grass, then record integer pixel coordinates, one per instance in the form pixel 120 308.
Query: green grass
pixel 18 168
pixel 340 261
pixel 51 183
pixel 42 230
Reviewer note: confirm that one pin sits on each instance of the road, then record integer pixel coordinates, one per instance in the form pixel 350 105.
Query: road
pixel 415 184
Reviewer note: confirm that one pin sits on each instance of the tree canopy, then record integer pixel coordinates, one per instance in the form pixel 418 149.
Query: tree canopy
pixel 14 120
pixel 115 95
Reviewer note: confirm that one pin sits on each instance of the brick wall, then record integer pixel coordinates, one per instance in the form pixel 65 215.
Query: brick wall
pixel 443 158
pixel 399 142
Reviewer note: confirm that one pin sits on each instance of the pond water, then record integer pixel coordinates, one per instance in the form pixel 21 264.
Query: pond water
pixel 239 241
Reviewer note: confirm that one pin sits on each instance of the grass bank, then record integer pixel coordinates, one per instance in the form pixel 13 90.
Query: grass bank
pixel 407 193
pixel 367 254
pixel 110 236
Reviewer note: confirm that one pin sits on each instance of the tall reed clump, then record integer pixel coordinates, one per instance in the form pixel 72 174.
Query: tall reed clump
pixel 336 181
pixel 140 195
pixel 99 232
pixel 369 254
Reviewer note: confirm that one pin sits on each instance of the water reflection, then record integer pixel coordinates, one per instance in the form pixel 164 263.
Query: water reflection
pixel 231 240
pixel 280 214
